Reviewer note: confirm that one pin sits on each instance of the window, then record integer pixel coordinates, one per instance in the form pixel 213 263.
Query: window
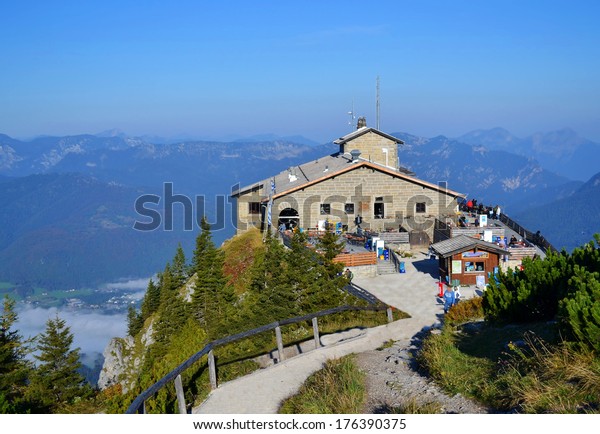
pixel 349 208
pixel 325 208
pixel 253 207
pixel 379 210
pixel 420 207
pixel 471 267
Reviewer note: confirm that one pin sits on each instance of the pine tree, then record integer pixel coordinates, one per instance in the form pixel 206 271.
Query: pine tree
pixel 14 369
pixel 134 321
pixel 56 381
pixel 330 244
pixel 151 300
pixel 580 312
pixel 213 298
pixel 172 312
pixel 179 268
pixel 272 296
pixel 317 282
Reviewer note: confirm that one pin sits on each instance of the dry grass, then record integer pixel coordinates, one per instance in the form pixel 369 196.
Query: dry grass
pixel 414 406
pixel 554 379
pixel 338 388
pixel 530 377
pixel 240 252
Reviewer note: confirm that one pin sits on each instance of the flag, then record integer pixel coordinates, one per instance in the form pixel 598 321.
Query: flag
pixel 270 206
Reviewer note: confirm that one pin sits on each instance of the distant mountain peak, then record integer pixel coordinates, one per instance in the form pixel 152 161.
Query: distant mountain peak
pixel 114 132
pixel 494 138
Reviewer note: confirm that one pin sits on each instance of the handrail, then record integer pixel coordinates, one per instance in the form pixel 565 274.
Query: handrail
pixel 536 239
pixel 138 402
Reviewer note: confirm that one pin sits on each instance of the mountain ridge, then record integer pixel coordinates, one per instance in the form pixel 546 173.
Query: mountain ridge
pixel 130 167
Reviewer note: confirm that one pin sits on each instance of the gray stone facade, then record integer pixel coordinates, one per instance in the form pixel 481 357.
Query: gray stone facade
pixel 338 188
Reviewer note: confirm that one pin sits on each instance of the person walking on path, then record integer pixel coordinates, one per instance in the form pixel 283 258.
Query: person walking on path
pixel 456 294
pixel 448 299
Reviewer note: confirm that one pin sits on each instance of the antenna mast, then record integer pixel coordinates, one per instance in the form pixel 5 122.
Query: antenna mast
pixel 377 104
pixel 352 117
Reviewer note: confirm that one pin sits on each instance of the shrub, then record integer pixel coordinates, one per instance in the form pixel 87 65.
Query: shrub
pixel 466 310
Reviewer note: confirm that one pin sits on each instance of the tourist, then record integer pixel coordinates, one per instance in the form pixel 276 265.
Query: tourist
pixel 349 275
pixel 448 299
pixel 456 294
pixel 358 221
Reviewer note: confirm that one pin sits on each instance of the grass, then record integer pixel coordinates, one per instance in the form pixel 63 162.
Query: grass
pixel 386 344
pixel 413 406
pixel 240 252
pixel 524 368
pixel 338 388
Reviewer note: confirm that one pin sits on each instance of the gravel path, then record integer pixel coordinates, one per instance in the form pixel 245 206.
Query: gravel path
pixel 393 381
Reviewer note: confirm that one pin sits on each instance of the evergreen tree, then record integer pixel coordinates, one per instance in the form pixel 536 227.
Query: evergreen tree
pixel 213 298
pixel 203 240
pixel 151 300
pixel 317 281
pixel 134 321
pixel 14 369
pixel 179 268
pixel 331 245
pixel 56 381
pixel 580 312
pixel 172 312
pixel 271 294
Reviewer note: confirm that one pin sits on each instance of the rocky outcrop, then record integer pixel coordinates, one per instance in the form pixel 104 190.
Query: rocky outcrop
pixel 122 362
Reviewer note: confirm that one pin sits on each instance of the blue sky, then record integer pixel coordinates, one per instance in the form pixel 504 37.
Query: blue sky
pixel 222 69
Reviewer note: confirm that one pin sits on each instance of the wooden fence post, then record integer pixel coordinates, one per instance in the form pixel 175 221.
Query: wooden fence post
pixel 279 344
pixel 390 316
pixel 316 333
pixel 180 395
pixel 212 370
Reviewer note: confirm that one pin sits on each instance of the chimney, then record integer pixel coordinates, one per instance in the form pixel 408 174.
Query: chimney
pixel 355 154
pixel 362 122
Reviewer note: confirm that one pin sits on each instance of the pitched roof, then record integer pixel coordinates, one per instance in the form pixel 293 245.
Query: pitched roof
pixel 462 243
pixel 313 172
pixel 364 130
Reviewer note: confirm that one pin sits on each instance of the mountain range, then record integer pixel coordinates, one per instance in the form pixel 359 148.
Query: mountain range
pixel 563 152
pixel 67 203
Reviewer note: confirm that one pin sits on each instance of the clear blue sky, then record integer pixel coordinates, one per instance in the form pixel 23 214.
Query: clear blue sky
pixel 214 69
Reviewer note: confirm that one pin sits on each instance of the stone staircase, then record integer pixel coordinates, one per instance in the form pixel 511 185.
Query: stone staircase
pixel 385 267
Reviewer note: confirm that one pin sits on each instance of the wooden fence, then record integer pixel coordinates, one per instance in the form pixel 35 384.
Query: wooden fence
pixel 356 259
pixel 138 404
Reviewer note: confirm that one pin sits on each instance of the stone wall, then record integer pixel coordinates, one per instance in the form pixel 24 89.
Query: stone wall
pixel 364 187
pixel 371 146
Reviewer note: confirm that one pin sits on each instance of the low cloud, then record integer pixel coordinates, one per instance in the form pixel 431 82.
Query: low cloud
pixel 92 331
pixel 128 285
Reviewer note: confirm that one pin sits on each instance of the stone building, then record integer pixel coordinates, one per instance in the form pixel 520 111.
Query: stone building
pixel 362 180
